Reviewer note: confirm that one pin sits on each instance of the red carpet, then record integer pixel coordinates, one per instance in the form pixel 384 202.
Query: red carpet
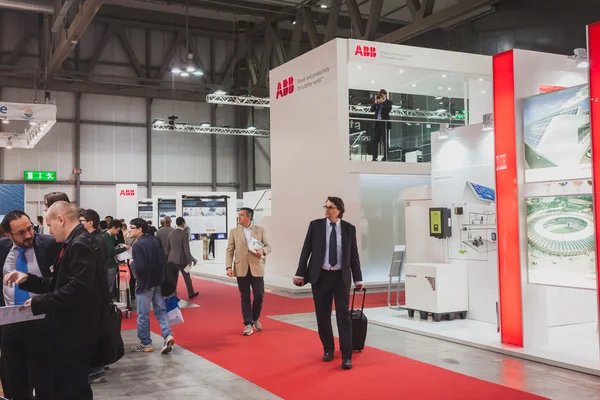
pixel 285 359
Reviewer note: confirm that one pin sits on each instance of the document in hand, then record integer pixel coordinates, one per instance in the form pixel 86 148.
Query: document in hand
pixel 255 245
pixel 14 314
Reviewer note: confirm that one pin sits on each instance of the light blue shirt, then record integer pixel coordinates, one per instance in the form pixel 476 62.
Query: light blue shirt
pixel 338 231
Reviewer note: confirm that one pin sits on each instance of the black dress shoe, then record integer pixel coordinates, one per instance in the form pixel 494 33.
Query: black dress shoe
pixel 328 356
pixel 194 295
pixel 347 364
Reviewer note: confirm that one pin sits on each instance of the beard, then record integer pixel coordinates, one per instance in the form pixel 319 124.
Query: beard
pixel 25 243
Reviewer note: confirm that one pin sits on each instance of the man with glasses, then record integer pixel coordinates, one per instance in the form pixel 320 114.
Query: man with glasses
pixel 331 247
pixel 148 267
pixel 27 346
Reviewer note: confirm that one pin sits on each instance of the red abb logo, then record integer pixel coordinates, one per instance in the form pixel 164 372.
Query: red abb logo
pixel 365 51
pixel 285 87
pixel 127 192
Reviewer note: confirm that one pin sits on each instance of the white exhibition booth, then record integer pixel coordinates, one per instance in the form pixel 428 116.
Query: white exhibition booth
pixel 314 99
pixel 520 194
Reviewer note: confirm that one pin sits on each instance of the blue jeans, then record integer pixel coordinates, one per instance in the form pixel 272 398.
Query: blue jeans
pixel 151 297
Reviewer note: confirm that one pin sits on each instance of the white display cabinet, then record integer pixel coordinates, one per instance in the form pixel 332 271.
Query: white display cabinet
pixel 439 289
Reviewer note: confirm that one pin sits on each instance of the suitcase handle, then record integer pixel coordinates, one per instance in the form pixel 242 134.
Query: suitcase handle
pixel 363 301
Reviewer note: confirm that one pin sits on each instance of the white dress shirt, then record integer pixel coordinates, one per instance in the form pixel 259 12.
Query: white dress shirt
pixel 247 234
pixel 11 264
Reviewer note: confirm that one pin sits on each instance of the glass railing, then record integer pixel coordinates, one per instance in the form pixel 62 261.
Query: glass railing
pixel 392 141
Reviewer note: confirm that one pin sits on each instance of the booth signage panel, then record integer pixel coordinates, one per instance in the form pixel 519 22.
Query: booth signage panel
pixel 127 201
pixel 45 176
pixel 26 112
pixel 594 82
pixel 417 57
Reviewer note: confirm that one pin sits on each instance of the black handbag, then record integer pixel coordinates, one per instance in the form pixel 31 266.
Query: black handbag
pixel 110 347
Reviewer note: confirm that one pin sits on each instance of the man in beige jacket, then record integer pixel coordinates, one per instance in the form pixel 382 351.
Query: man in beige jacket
pixel 246 251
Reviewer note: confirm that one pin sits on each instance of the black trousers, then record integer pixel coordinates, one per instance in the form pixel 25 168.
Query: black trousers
pixel 186 277
pixel 379 135
pixel 329 287
pixel 251 311
pixel 29 356
pixel 72 367
pixel 211 245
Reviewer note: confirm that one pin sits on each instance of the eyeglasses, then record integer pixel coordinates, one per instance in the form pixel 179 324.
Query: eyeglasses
pixel 24 232
pixel 329 207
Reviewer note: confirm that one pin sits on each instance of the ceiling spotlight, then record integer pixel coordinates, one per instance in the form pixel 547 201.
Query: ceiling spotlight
pixel 158 121
pixel 5 121
pixel 251 128
pixel 190 65
pixel 439 98
pixel 359 67
pixel 441 110
pixel 372 81
pixel 32 123
pixel 176 70
pixel 480 79
pixel 449 88
pixel 444 75
pixel 414 85
pixel 401 71
pixel 204 125
pixel 483 92
pixel 323 6
pixel 294 22
pixel 198 73
pixel 440 88
pixel 441 102
pixel 220 92
pixel 185 74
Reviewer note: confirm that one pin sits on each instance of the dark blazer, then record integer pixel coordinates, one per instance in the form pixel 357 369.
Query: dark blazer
pixel 75 297
pixel 178 248
pixel 46 250
pixel 385 110
pixel 313 253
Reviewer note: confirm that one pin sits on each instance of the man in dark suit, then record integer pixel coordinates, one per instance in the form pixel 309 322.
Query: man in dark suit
pixel 74 300
pixel 331 247
pixel 179 256
pixel 382 108
pixel 27 346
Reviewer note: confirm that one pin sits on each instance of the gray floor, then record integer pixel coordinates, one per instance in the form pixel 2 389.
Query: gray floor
pixel 184 375
pixel 539 379
pixel 178 376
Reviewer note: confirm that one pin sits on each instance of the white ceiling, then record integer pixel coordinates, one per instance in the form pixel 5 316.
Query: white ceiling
pixel 424 82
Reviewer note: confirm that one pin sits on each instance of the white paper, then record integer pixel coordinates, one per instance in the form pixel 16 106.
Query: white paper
pixel 14 314
pixel 255 245
pixel 124 256
pixel 188 269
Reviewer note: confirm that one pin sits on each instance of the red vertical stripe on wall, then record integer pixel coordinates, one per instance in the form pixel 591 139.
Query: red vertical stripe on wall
pixel 509 262
pixel 594 81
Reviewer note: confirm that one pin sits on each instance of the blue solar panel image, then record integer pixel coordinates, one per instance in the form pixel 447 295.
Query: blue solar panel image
pixel 484 192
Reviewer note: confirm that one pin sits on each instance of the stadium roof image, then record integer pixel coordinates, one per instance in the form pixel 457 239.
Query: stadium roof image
pixel 562 234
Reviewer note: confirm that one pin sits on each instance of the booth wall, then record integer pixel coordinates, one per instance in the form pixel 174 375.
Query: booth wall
pixel 309 141
pixel 468 156
pixel 544 306
pixel 383 223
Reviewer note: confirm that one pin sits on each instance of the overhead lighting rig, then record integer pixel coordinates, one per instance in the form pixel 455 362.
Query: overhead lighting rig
pixel 160 125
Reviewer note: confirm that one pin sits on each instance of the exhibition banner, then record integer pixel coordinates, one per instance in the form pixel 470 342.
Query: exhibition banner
pixel 12 197
pixel 27 111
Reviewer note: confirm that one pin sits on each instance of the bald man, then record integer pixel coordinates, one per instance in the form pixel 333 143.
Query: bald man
pixel 75 299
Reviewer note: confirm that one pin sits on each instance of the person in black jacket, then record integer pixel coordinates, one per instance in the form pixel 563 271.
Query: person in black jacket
pixel 73 299
pixel 331 247
pixel 27 347
pixel 382 108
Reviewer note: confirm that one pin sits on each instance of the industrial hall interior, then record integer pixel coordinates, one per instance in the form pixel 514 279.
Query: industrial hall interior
pixel 299 199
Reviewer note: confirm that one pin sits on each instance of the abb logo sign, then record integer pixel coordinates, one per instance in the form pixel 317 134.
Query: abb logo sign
pixel 127 192
pixel 285 87
pixel 365 51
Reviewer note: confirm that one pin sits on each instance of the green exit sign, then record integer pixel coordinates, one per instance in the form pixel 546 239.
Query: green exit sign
pixel 40 175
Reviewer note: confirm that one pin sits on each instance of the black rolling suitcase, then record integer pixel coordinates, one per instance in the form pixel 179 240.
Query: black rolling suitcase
pixel 359 324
